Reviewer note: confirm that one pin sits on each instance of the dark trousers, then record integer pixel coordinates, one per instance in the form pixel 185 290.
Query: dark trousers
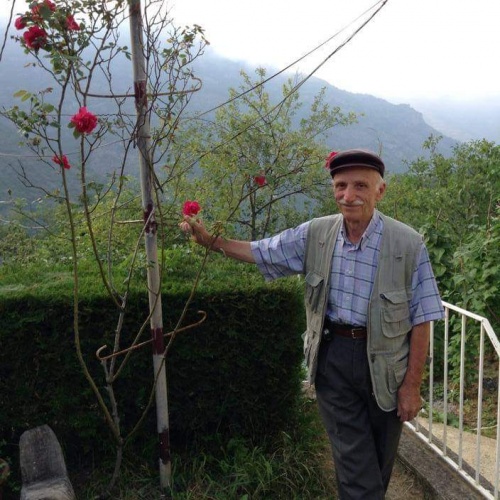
pixel 364 438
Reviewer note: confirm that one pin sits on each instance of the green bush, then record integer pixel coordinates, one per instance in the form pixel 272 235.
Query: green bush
pixel 238 374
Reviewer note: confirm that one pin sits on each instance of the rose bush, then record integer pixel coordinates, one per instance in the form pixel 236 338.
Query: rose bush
pixel 45 21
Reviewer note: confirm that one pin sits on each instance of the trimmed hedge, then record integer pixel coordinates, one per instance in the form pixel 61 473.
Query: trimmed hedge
pixel 238 373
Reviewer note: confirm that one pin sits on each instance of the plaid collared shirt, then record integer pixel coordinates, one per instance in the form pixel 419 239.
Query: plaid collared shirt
pixel 353 272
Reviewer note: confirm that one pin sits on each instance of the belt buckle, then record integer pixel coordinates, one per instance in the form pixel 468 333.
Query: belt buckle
pixel 353 332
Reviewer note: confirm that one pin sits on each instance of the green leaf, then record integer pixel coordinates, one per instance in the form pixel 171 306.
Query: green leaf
pixel 48 108
pixel 20 93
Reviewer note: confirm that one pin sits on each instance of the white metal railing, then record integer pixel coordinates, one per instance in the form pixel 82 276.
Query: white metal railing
pixel 475 457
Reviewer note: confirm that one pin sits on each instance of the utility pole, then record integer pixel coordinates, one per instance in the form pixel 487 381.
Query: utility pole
pixel 150 235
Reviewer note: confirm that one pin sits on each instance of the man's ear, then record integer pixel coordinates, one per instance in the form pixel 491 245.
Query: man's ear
pixel 381 190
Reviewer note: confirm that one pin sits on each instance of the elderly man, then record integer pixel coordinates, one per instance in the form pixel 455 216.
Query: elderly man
pixel 370 295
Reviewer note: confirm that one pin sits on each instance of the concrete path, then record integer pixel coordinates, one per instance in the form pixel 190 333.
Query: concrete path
pixel 437 473
pixel 487 447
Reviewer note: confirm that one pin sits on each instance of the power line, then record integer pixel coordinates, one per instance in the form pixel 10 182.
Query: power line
pixel 381 4
pixel 307 55
pixel 378 6
pixel 71 153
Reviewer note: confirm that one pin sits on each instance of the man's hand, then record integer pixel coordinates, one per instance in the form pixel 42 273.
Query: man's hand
pixel 239 250
pixel 409 402
pixel 197 231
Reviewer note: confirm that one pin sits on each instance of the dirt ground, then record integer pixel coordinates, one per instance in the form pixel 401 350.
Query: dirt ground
pixel 405 486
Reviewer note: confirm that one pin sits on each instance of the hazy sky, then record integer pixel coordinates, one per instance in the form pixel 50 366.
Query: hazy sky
pixel 411 49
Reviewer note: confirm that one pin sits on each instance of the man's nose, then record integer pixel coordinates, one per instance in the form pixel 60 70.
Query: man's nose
pixel 349 194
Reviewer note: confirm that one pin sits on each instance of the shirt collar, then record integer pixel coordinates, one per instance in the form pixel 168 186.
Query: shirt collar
pixel 369 231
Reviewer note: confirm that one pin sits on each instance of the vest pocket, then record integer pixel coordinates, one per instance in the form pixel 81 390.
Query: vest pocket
pixel 314 287
pixel 397 372
pixel 395 313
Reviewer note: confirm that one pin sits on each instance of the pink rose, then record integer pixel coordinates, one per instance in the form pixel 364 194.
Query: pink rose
pixel 62 161
pixel 84 121
pixel 35 38
pixel 330 157
pixel 20 23
pixel 71 24
pixel 260 180
pixel 191 208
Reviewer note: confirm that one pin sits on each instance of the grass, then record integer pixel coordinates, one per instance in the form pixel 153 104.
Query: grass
pixel 295 466
pixel 470 407
pixel 291 466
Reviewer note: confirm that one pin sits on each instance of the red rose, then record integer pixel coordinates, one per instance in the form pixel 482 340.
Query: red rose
pixel 35 38
pixel 71 24
pixel 47 4
pixel 191 208
pixel 20 23
pixel 84 121
pixel 37 10
pixel 61 160
pixel 330 157
pixel 260 180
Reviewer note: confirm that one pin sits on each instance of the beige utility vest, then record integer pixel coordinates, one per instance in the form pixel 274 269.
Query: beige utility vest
pixel 388 320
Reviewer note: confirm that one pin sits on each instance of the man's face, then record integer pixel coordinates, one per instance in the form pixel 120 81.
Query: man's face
pixel 357 191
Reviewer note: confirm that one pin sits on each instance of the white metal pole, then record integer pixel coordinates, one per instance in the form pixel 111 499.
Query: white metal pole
pixel 153 271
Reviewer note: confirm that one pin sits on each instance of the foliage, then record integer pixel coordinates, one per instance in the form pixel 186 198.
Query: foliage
pixel 478 268
pixel 223 377
pixel 291 465
pixel 452 194
pixel 455 204
pixel 258 164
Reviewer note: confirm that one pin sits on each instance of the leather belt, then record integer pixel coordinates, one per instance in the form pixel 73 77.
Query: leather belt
pixel 349 331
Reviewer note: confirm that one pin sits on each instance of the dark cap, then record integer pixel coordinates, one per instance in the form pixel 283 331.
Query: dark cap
pixel 354 158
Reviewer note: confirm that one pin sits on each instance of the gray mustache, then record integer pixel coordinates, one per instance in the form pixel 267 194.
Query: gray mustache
pixel 356 203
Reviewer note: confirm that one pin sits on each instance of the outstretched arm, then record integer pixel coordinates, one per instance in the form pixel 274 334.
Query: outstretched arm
pixel 409 401
pixel 236 249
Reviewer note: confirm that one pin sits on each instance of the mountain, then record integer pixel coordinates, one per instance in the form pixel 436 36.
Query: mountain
pixel 463 120
pixel 397 130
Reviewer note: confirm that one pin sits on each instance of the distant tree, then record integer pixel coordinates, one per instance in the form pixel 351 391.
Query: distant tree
pixel 453 194
pixel 260 165
pixel 455 203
